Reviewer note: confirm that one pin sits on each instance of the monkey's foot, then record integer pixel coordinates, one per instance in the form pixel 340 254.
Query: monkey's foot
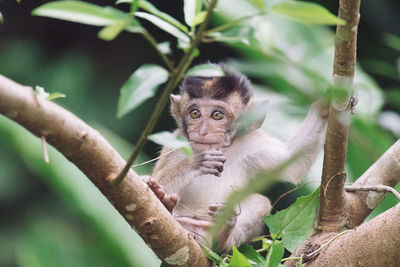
pixel 211 162
pixel 169 200
pixel 214 208
pixel 196 228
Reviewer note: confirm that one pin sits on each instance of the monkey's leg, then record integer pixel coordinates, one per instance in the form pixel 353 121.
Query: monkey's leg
pixel 168 200
pixel 249 222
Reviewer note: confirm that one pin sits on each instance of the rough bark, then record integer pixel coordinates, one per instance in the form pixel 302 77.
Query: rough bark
pixel 333 209
pixel 385 171
pixel 374 243
pixel 95 157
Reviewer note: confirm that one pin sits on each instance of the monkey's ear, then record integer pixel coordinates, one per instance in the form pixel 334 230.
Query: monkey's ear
pixel 253 116
pixel 176 107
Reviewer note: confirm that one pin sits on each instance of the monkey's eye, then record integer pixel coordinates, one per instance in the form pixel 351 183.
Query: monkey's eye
pixel 195 114
pixel 217 115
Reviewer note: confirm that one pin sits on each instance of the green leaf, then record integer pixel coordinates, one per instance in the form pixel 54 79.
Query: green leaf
pixel 80 12
pixel 191 8
pixel 252 117
pixel 56 95
pixel 206 70
pixel 1 18
pixel 165 26
pixel 110 32
pixel 392 41
pixel 238 260
pixel 294 223
pixel 149 7
pixel 43 94
pixel 164 47
pixel 242 34
pixel 172 141
pixel 140 86
pixel 306 12
pixel 252 254
pixel 259 4
pixel 199 18
pixel 211 255
pixel 275 254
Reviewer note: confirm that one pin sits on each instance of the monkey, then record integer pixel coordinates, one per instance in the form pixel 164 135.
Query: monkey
pixel 195 189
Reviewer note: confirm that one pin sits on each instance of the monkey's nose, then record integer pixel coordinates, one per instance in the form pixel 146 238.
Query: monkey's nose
pixel 203 129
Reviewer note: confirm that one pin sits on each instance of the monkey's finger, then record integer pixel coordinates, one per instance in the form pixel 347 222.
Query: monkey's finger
pixel 153 184
pixel 159 193
pixel 214 165
pixel 170 201
pixel 205 170
pixel 213 208
pixel 213 215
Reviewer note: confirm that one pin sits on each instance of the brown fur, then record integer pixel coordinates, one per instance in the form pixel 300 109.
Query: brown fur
pixel 223 162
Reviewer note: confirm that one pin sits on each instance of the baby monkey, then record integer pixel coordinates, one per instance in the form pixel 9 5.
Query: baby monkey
pixel 194 190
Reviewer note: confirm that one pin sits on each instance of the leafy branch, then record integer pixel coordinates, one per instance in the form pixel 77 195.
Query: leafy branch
pixel 175 78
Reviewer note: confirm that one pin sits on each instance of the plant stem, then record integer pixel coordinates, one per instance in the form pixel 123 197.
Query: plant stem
pixel 154 44
pixel 176 75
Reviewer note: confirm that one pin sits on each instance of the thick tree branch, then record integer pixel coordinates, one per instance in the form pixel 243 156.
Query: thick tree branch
pixel 332 210
pixel 374 243
pixel 95 157
pixel 385 171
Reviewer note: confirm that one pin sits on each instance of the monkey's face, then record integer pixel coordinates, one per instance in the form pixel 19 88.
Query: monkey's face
pixel 209 123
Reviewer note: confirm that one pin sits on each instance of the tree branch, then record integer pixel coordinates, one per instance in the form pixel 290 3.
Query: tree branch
pixel 332 209
pixel 374 243
pixel 95 157
pixel 385 171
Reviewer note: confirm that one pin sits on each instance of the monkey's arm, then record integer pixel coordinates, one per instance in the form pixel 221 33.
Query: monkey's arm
pixel 307 142
pixel 266 152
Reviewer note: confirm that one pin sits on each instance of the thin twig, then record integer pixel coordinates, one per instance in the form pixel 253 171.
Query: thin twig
pixel 327 184
pixel 291 259
pixel 45 151
pixel 176 76
pixel 154 44
pixel 377 188
pixel 327 243
pixel 291 191
pixel 157 158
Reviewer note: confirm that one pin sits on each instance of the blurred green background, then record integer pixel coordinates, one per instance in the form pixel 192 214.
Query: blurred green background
pixel 51 215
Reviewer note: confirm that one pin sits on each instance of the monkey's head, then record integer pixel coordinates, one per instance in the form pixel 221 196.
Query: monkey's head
pixel 208 108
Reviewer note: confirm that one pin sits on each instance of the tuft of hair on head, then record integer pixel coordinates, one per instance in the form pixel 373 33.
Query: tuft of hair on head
pixel 218 87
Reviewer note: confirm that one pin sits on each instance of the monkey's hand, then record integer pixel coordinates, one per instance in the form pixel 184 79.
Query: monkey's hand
pixel 169 200
pixel 214 208
pixel 210 162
